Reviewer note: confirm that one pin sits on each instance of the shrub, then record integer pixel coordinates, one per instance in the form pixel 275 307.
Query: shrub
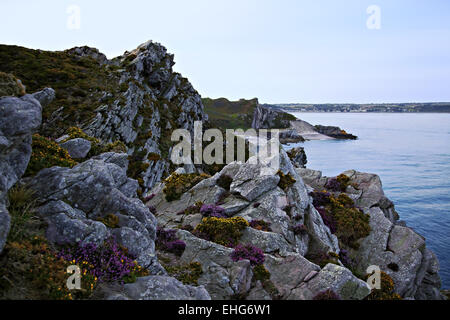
pixel 211 210
pixel 352 225
pixel 327 295
pixel 46 154
pixel 286 180
pixel 10 85
pixel 320 198
pixel 342 217
pixel 223 231
pixel 387 289
pixel 177 184
pixel 338 184
pixel 108 262
pixel 188 273
pixel 260 225
pixel 21 209
pixel 248 252
pixel 328 219
pixel 225 181
pixel 167 240
pixel 34 271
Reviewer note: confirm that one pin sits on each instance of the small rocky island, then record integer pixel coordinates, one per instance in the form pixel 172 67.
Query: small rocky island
pixel 86 176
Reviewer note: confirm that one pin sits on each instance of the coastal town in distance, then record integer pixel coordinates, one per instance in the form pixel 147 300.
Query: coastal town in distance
pixel 435 107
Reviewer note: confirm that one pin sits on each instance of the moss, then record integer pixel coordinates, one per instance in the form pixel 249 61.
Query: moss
pixel 177 184
pixel 186 273
pixel 261 273
pixel 286 180
pixel 223 231
pixel 47 153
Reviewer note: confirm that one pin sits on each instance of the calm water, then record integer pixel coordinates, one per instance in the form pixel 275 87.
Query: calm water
pixel 411 154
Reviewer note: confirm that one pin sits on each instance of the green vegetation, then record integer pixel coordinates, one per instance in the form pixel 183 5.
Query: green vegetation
pixel 46 154
pixel 32 270
pixel 10 86
pixel 30 266
pixel 223 231
pixel 351 223
pixel 79 82
pixel 387 291
pixel 187 273
pixel 286 180
pixel 97 146
pixel 260 273
pixel 177 184
pixel 227 114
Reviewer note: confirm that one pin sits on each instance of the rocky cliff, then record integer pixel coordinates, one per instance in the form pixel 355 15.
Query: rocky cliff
pixel 19 119
pixel 247 231
pixel 136 98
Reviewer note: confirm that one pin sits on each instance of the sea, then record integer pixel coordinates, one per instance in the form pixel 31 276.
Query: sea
pixel 411 154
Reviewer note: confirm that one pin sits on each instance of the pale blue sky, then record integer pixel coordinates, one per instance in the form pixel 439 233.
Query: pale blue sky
pixel 279 51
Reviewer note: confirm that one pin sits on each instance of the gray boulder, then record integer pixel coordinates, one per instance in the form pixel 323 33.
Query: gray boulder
pixel 78 148
pixel 251 182
pixel 19 119
pixel 221 277
pixel 152 288
pixel 74 201
pixel 334 277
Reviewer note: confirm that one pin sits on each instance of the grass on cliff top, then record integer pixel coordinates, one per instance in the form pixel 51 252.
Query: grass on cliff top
pixel 78 82
pixel 230 114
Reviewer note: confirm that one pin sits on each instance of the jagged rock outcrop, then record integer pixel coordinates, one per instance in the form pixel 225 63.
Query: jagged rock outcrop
pixel 335 132
pixel 254 194
pixel 136 98
pixel 155 101
pixel 396 249
pixel 336 278
pixel 74 201
pixel 298 157
pixel 19 119
pixel 265 117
